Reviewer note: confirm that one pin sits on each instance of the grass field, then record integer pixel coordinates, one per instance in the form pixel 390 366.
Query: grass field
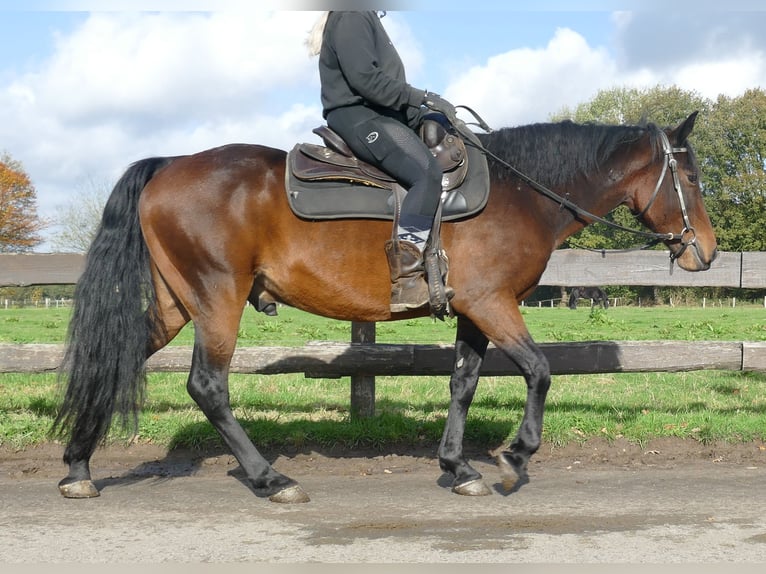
pixel 290 410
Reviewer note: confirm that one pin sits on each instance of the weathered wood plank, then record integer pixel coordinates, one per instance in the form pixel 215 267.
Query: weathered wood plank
pixel 754 270
pixel 593 357
pixel 754 356
pixel 362 384
pixel 569 267
pixel 40 268
pixel 30 358
pixel 342 359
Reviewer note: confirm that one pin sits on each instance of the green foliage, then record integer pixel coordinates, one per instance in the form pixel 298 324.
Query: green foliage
pixel 19 223
pixel 660 105
pixel 732 150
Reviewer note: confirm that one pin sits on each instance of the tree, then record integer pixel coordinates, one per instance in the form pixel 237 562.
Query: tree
pixel 79 221
pixel 661 105
pixel 19 222
pixel 732 153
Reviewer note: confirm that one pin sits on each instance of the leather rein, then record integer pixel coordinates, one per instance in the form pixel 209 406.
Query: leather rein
pixel 670 163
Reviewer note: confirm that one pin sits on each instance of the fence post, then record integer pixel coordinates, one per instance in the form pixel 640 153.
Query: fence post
pixel 362 386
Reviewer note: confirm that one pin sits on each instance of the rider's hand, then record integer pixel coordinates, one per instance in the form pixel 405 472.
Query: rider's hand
pixel 438 104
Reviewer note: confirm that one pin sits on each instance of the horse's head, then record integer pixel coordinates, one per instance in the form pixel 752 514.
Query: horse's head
pixel 668 199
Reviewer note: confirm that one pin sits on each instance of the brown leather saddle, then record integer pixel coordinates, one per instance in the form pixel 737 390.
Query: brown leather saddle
pixel 335 160
pixel 329 182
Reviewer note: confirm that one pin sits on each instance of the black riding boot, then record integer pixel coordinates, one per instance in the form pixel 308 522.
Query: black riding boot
pixel 409 289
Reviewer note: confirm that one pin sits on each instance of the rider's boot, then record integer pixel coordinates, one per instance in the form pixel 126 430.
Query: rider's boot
pixel 409 289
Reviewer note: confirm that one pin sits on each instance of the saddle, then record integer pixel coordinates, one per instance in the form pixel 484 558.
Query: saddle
pixel 329 182
pixel 335 160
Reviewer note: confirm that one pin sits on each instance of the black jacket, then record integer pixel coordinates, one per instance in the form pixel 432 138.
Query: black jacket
pixel 358 64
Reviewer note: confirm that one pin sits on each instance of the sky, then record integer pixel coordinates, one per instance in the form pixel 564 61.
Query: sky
pixel 88 87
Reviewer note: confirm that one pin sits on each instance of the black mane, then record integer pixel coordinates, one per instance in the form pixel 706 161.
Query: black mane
pixel 554 154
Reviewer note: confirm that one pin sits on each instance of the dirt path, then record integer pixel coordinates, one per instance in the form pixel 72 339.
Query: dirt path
pixel 673 501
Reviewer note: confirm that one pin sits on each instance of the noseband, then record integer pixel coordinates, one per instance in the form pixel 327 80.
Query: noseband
pixel 672 163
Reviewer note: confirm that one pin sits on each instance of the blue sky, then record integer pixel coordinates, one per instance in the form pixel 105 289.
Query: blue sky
pixel 86 88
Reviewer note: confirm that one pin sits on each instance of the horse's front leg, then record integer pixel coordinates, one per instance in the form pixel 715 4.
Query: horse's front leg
pixel 536 370
pixel 504 325
pixel 470 346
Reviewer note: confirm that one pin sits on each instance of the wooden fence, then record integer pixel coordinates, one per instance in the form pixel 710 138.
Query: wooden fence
pixel 363 359
pixel 567 267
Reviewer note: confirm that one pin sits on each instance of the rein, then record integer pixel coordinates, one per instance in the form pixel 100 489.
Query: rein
pixel 670 162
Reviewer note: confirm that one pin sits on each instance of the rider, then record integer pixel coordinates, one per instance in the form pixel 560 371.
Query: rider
pixel 368 102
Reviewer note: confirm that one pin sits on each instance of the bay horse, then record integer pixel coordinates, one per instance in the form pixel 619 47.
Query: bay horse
pixel 596 295
pixel 193 238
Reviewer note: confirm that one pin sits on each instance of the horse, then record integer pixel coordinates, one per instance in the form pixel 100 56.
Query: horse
pixel 596 295
pixel 194 237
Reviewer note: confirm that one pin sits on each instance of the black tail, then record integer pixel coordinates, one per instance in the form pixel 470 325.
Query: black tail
pixel 108 332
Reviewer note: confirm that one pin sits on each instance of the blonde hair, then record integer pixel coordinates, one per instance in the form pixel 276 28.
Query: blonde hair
pixel 314 39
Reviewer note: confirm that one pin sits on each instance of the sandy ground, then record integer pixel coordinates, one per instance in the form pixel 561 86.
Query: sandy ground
pixel 672 501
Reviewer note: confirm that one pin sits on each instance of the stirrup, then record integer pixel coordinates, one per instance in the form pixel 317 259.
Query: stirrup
pixel 439 293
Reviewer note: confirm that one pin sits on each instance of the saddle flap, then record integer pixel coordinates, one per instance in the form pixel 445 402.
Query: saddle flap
pixel 314 162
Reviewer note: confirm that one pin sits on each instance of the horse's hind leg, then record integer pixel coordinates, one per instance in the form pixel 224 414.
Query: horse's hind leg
pixel 164 321
pixel 215 338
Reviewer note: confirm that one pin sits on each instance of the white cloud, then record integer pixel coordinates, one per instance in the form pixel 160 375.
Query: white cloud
pixel 407 45
pixel 730 76
pixel 169 66
pixel 527 85
pixel 127 85
pixel 710 52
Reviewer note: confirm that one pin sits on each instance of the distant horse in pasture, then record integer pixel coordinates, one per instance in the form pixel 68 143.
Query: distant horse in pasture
pixel 596 295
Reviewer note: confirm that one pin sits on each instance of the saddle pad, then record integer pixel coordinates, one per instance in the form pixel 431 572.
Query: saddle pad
pixel 332 199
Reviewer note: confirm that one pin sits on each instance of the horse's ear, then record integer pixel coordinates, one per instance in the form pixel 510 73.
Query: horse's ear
pixel 682 131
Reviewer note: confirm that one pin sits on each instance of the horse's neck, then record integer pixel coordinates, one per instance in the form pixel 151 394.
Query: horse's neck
pixel 597 194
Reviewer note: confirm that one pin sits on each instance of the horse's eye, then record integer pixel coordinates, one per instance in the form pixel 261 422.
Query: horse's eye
pixel 692 177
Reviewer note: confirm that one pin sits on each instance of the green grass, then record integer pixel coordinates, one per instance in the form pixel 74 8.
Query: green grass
pixel 281 411
pixel 294 328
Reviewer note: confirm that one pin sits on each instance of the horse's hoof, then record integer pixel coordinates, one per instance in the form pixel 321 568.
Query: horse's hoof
pixel 290 495
pixel 507 473
pixel 475 487
pixel 79 489
pixel 511 475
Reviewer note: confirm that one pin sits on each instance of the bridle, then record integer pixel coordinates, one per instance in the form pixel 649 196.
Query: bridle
pixel 670 163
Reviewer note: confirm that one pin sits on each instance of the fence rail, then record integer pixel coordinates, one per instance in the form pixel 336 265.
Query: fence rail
pixel 331 360
pixel 567 267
